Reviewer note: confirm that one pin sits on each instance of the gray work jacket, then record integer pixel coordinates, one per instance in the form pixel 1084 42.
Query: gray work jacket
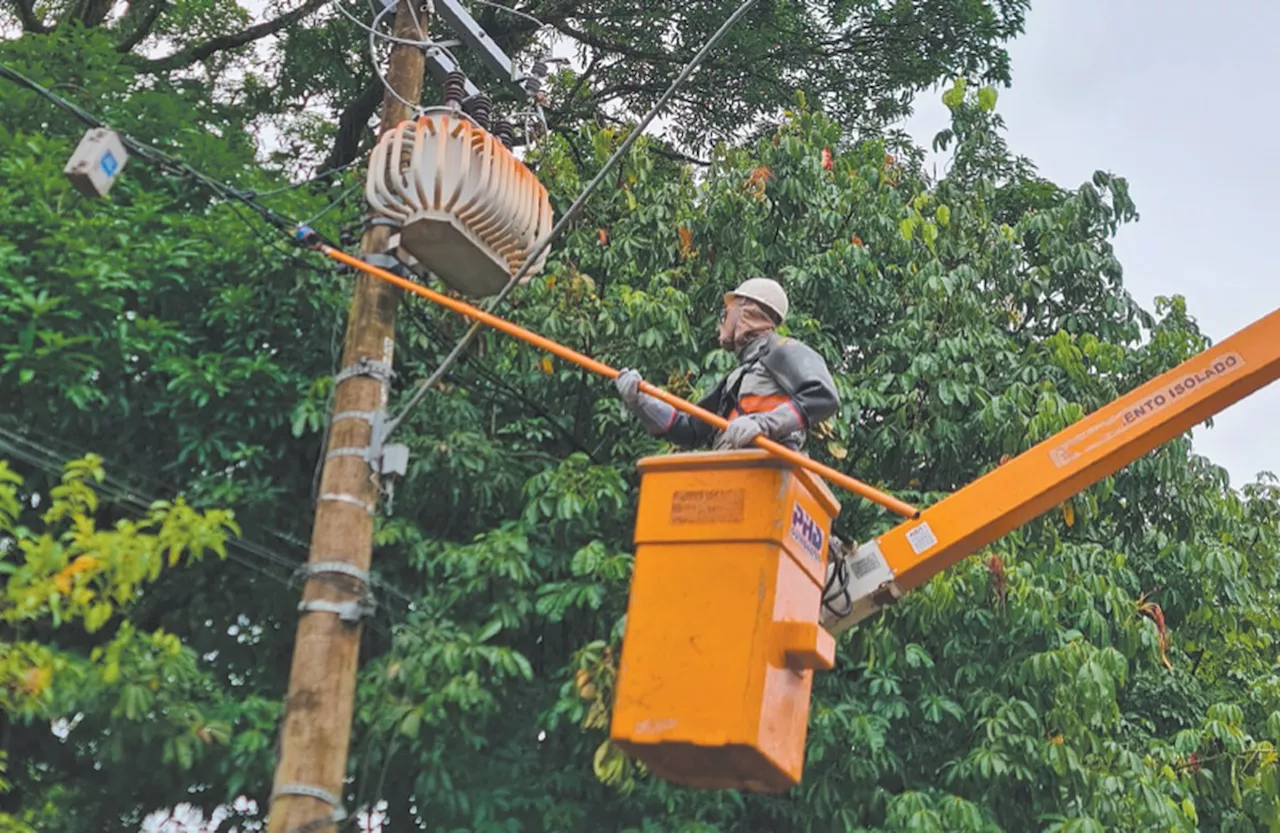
pixel 773 370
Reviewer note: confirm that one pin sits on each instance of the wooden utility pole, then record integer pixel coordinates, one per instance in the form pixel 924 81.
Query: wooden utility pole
pixel 316 733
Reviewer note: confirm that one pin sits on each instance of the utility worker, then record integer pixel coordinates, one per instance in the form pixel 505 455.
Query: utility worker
pixel 780 388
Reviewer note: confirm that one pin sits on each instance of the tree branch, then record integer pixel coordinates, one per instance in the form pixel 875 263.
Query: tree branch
pixel 352 125
pixel 194 54
pixel 27 14
pixel 144 26
pixel 664 151
pixel 94 13
pixel 625 51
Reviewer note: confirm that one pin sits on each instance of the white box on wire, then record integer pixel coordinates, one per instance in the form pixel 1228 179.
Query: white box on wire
pixel 99 157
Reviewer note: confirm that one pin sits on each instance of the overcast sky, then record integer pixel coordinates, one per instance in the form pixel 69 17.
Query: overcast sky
pixel 1179 98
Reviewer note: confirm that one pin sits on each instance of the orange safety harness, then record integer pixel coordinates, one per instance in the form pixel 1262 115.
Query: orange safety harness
pixel 758 404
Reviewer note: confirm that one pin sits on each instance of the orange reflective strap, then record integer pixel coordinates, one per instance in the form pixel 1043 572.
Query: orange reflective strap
pixel 758 404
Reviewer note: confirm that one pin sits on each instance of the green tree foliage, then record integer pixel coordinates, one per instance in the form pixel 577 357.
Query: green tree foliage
pixel 117 697
pixel 863 60
pixel 1109 666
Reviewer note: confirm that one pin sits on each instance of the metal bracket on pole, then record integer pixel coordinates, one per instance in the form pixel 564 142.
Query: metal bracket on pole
pixel 341 497
pixel 351 612
pixel 381 371
pixel 338 567
pixel 383 459
pixel 339 812
pixel 367 416
pixel 477 39
pixel 389 262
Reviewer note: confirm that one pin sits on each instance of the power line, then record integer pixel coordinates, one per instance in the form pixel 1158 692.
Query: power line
pixel 152 154
pixel 294 186
pixel 40 455
pixel 340 199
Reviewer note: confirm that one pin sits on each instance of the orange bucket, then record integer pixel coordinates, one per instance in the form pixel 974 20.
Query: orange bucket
pixel 722 635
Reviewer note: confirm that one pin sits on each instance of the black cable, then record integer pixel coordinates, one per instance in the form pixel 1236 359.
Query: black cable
pixel 837 585
pixel 500 385
pixel 162 160
pixel 12 442
pixel 262 195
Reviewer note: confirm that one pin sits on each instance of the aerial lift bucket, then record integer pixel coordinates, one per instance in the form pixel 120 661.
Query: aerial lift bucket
pixel 722 636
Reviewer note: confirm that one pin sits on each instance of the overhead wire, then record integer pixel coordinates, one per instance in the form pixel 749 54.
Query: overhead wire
pixel 571 214
pixel 341 198
pixel 274 218
pixel 296 185
pixel 373 57
pixel 234 197
pixel 162 160
pixel 52 461
pixel 372 31
pixel 126 498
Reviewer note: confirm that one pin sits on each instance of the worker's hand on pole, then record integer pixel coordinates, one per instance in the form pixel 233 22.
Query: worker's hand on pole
pixel 653 413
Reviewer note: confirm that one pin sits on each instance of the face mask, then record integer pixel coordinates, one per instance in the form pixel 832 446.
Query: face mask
pixel 740 322
pixel 728 323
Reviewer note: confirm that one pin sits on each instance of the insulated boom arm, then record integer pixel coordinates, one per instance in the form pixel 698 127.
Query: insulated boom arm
pixel 884 569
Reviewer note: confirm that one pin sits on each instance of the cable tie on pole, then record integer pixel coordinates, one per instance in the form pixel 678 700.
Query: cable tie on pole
pixel 307 791
pixel 342 497
pixel 337 567
pixel 350 612
pixel 381 371
pixel 367 416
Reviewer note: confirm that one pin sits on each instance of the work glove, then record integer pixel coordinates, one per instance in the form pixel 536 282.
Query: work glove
pixel 776 424
pixel 654 414
pixel 739 433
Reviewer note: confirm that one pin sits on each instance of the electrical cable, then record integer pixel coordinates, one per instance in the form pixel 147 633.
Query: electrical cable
pixel 340 199
pixel 162 160
pixel 374 34
pixel 418 44
pixel 26 448
pixel 837 586
pixel 262 195
pixel 373 59
pixel 127 499
pixel 169 164
pixel 571 214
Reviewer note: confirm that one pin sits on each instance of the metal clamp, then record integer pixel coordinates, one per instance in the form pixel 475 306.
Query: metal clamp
pixel 306 791
pixel 363 453
pixel 389 262
pixel 339 567
pixel 382 371
pixel 383 459
pixel 367 416
pixel 352 611
pixel 379 220
pixel 342 497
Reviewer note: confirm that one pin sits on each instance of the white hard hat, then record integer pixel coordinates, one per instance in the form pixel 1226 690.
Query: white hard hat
pixel 766 292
